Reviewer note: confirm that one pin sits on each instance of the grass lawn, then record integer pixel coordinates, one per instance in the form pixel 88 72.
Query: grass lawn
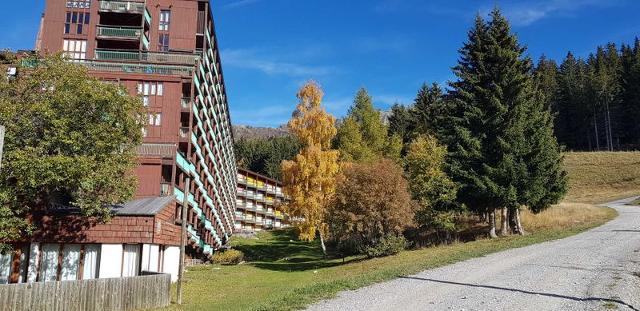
pixel 599 177
pixel 288 274
pixel 285 274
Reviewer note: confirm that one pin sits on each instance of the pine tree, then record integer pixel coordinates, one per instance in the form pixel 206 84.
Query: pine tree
pixel 572 125
pixel 491 154
pixel 630 95
pixel 401 124
pixel 426 108
pixel 374 132
pixel 362 136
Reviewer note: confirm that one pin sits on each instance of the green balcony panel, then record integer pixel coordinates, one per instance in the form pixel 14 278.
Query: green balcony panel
pixel 119 32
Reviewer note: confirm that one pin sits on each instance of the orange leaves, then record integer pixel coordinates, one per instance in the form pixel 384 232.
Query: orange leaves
pixel 309 179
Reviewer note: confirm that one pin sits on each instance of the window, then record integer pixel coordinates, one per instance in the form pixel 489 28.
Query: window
pixel 150 88
pixel 155 119
pixel 147 89
pixel 163 45
pixel 78 19
pixel 70 262
pixel 165 16
pixel 49 262
pixel 130 260
pixel 91 262
pixel 75 49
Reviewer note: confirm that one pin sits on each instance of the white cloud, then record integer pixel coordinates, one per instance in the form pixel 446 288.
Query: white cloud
pixel 527 13
pixel 251 59
pixel 386 100
pixel 239 3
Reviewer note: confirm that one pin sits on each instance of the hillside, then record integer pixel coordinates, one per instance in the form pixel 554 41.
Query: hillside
pixel 250 132
pixel 598 177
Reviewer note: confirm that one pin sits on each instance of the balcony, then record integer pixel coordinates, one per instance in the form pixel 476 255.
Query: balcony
pixel 122 7
pixel 123 33
pixel 139 68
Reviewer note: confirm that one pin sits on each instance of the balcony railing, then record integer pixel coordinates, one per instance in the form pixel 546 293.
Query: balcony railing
pixel 119 32
pixel 147 16
pixel 145 42
pixel 139 68
pixel 152 57
pixel 122 6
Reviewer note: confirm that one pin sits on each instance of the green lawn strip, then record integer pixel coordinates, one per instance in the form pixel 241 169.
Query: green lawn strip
pixel 276 283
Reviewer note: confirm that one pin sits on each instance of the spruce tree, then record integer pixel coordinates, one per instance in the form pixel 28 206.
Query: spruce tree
pixel 400 123
pixel 425 109
pixel 630 95
pixel 491 153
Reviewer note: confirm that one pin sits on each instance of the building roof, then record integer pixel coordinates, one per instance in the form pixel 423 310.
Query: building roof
pixel 143 207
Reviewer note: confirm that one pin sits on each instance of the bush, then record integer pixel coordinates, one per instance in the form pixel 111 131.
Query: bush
pixel 390 244
pixel 228 257
pixel 372 201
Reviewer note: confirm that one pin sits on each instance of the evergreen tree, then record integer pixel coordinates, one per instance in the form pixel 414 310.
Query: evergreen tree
pixel 430 186
pixel 572 125
pixel 425 109
pixel 401 123
pixel 490 151
pixel 374 132
pixel 351 144
pixel 362 136
pixel 630 95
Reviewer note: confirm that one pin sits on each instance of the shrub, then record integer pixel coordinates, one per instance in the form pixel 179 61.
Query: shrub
pixel 390 244
pixel 228 257
pixel 372 201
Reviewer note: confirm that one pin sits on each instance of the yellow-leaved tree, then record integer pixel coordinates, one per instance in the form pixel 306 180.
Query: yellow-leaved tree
pixel 310 178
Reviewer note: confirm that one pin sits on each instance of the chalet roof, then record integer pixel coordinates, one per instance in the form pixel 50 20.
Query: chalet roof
pixel 143 207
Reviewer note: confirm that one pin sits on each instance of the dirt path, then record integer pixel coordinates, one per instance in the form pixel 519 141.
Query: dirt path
pixel 595 270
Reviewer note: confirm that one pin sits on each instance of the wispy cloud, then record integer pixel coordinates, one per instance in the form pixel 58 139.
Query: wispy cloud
pixel 253 59
pixel 527 13
pixel 239 3
pixel 384 101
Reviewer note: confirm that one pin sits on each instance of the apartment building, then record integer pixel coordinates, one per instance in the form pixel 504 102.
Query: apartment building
pixel 164 51
pixel 257 203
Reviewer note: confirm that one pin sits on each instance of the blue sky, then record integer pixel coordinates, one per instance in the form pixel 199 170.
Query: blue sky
pixel 271 47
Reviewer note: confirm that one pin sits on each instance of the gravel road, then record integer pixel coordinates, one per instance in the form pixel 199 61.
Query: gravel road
pixel 595 270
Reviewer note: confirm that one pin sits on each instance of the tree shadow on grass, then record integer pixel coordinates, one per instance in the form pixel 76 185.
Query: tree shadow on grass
pixel 282 251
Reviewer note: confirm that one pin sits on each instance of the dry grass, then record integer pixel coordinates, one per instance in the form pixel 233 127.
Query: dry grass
pixel 599 177
pixel 564 216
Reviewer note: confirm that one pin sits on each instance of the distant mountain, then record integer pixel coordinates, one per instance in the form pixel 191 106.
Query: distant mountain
pixel 250 132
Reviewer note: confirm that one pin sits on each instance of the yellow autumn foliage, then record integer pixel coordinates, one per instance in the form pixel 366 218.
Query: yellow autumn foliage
pixel 309 179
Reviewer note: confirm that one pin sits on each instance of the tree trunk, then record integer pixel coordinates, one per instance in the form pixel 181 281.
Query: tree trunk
pixel 595 126
pixel 492 224
pixel 324 247
pixel 519 228
pixel 610 128
pixel 504 227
